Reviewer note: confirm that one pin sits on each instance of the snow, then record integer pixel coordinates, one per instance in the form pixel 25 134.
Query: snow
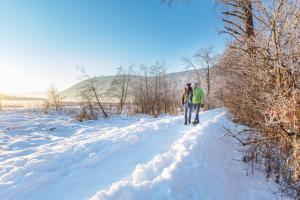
pixel 56 157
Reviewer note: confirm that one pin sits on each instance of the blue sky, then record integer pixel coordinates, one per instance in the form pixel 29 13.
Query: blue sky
pixel 42 41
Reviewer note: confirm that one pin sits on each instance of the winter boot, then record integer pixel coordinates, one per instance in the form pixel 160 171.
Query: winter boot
pixel 185 122
pixel 195 122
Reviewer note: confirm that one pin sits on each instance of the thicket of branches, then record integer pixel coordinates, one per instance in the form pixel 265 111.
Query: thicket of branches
pixel 261 75
pixel 153 93
pixel 147 91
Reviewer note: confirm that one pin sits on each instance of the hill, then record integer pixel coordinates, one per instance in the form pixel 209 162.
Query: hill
pixel 103 83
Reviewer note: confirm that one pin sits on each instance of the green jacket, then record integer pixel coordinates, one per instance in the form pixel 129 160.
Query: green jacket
pixel 198 96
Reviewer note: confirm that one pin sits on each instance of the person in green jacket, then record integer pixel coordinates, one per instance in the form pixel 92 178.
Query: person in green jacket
pixel 197 100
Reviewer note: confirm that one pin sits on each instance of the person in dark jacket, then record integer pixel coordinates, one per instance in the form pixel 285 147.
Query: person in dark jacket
pixel 187 103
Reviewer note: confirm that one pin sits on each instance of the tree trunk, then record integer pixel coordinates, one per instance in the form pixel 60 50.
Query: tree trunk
pixel 249 25
pixel 99 103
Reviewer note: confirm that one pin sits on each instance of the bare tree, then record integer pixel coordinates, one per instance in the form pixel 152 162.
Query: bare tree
pixel 86 99
pixel 89 88
pixel 191 65
pixel 120 86
pixel 165 88
pixel 204 59
pixel 207 59
pixel 54 97
pixel 238 21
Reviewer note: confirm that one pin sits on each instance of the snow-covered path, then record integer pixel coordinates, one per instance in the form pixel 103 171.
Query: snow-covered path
pixel 53 157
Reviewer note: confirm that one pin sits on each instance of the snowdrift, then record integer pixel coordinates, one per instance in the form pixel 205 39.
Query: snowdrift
pixel 54 157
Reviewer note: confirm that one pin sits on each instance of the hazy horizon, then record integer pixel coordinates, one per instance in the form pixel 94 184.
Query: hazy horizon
pixel 43 93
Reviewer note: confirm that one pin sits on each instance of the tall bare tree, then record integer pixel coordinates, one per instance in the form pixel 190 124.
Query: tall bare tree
pixel 238 21
pixel 120 86
pixel 207 59
pixel 203 60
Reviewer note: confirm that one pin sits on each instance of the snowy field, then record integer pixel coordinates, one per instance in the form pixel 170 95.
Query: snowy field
pixel 56 157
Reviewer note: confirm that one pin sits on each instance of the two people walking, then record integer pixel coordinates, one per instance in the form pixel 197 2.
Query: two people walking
pixel 192 98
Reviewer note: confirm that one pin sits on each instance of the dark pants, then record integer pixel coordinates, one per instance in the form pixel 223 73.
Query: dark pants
pixel 188 112
pixel 197 109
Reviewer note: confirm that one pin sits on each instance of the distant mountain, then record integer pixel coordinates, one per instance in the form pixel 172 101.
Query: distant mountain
pixel 21 97
pixel 103 83
pixel 42 94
